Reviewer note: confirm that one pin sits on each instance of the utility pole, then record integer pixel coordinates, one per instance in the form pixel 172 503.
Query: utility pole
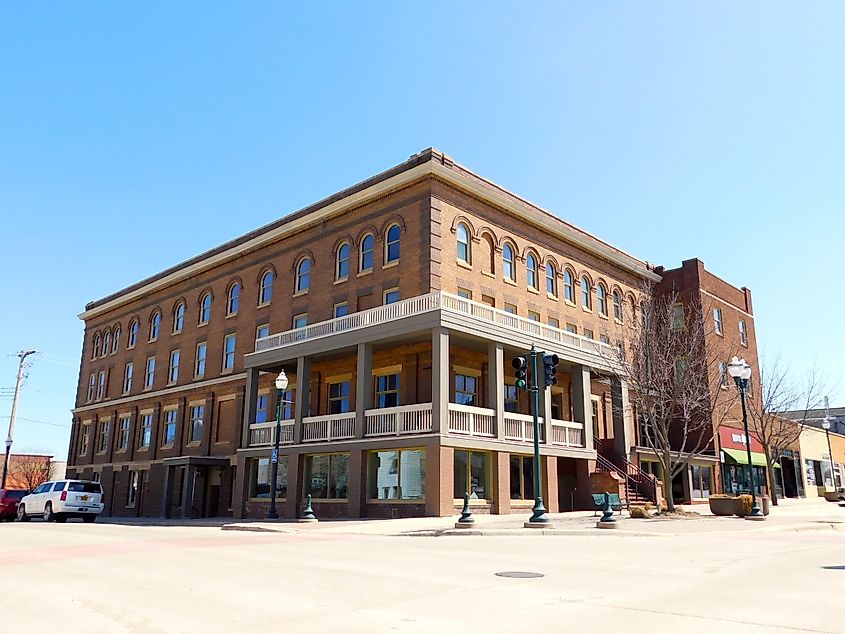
pixel 23 354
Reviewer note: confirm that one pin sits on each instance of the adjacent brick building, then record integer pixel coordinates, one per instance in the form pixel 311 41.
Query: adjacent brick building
pixel 394 308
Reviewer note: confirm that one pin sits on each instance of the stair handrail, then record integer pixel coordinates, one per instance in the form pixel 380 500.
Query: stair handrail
pixel 646 483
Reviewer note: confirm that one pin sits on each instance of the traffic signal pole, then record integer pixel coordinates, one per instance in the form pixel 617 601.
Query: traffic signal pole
pixel 538 515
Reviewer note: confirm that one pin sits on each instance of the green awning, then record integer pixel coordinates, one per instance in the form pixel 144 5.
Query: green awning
pixel 739 456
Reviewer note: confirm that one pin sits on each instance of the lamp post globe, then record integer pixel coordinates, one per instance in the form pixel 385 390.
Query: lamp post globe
pixel 281 384
pixel 282 381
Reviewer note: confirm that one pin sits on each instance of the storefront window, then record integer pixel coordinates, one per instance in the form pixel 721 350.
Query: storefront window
pixel 260 487
pixel 522 477
pixel 737 479
pixel 327 476
pixel 472 475
pixel 396 475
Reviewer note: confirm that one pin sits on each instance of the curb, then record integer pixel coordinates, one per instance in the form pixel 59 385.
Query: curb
pixel 256 529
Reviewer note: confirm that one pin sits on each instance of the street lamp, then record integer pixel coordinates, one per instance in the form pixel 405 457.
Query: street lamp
pixel 281 385
pixel 741 373
pixel 826 427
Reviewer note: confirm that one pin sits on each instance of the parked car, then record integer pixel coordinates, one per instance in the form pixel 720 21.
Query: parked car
pixel 60 499
pixel 9 499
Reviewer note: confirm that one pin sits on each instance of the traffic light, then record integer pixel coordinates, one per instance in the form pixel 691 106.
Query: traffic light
pixel 550 363
pixel 520 367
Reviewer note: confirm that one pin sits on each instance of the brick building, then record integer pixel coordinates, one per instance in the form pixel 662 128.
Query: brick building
pixel 394 307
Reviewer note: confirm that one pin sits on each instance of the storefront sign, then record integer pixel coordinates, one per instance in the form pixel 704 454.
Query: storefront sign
pixel 732 438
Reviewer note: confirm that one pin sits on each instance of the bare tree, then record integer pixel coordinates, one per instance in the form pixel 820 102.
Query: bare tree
pixel 780 392
pixel 27 471
pixel 674 379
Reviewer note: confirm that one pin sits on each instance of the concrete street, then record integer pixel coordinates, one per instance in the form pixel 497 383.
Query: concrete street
pixel 698 575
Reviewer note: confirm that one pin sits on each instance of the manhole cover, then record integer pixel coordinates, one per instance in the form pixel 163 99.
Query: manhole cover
pixel 519 574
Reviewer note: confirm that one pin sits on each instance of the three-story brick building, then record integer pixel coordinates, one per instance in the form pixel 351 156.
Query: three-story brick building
pixel 394 308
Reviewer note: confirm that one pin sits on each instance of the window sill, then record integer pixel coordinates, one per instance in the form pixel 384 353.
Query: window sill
pixel 569 303
pixel 329 500
pixel 227 371
pixel 551 296
pixel 264 305
pixel 718 332
pixel 618 321
pixel 231 315
pixel 341 280
pixel 601 316
pixel 365 272
pixel 390 264
pixel 587 310
pixel 463 264
pixel 201 325
pixel 509 281
pixel 489 274
pixel 300 293
pixel 199 377
pixel 531 289
pixel 413 501
pixel 130 347
pixel 175 332
pixel 170 446
pixel 152 340
pixel 147 448
pixel 194 443
pixel 149 388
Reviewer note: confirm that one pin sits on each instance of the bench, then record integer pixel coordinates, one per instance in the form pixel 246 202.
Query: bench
pixel 615 502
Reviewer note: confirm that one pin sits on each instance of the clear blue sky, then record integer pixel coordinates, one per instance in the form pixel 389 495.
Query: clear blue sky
pixel 135 136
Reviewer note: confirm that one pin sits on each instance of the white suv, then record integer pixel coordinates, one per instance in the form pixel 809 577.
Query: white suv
pixel 61 499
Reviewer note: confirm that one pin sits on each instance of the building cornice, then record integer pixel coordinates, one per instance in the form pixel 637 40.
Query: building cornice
pixel 437 165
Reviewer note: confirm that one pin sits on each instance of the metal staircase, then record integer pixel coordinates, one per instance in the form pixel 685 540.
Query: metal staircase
pixel 640 487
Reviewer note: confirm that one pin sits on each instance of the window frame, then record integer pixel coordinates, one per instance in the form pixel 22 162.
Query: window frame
pixel 386 293
pixel 463 243
pixel 233 299
pixel 508 263
pixel 340 261
pixel 718 321
pixel 123 433
pixel 302 282
pixel 173 369
pixel 532 278
pixel 568 286
pixel 365 252
pixel 128 372
pixel 169 422
pixel 601 299
pixel 178 318
pixel 226 366
pixel 155 326
pixel 551 279
pixel 265 289
pixel 198 359
pixel 149 373
pixel 205 310
pixel 372 478
pixel 196 420
pixel 132 339
pixel 389 242
pixel 586 293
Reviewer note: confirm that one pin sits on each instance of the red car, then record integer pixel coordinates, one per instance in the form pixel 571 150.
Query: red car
pixel 9 499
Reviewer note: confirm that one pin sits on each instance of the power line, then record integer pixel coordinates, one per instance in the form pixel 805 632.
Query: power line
pixel 40 422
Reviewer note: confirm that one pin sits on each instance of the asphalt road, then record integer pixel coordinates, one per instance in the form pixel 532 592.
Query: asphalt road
pixel 113 578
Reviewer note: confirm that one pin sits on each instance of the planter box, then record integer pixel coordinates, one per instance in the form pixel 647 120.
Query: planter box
pixel 721 506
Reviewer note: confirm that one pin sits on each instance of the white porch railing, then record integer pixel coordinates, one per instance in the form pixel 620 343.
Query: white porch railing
pixel 473 421
pixel 262 433
pixel 329 427
pixel 405 419
pixel 521 427
pixel 567 433
pixel 426 303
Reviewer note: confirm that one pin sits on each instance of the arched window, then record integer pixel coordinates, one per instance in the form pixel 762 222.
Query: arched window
pixel 367 247
pixel 265 294
pixel 106 343
pixel 133 334
pixel 568 289
pixel 205 309
pixel 115 342
pixel 531 271
pixel 391 245
pixel 508 268
pixel 179 317
pixel 551 279
pixel 586 300
pixel 155 324
pixel 464 253
pixel 303 275
pixel 233 300
pixel 97 344
pixel 601 295
pixel 341 269
pixel 617 305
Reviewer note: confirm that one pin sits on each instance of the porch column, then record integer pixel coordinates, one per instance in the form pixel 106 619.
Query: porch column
pixel 250 398
pixel 622 417
pixel 439 380
pixel 302 407
pixel 496 385
pixel 187 491
pixel 167 490
pixel 582 408
pixel 546 413
pixel 363 387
